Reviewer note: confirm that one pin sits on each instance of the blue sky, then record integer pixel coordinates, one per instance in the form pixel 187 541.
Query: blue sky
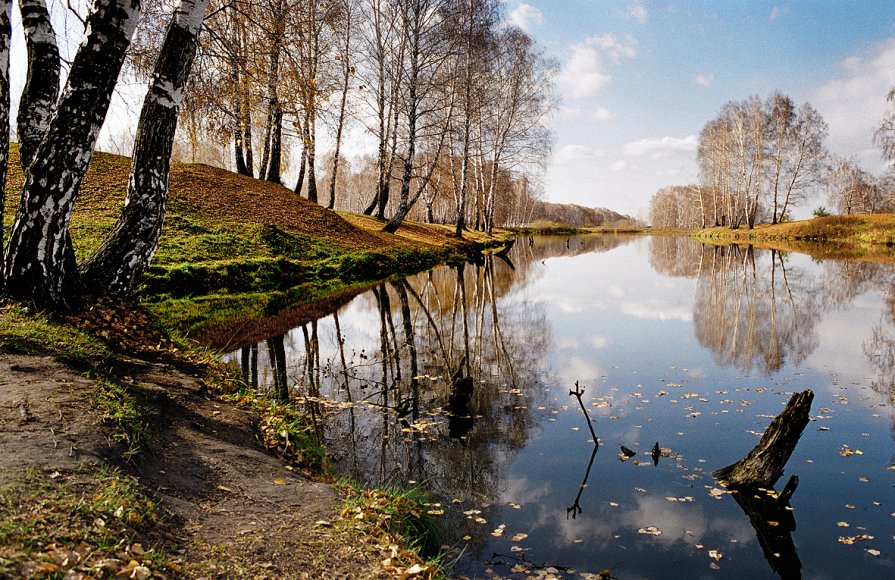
pixel 639 79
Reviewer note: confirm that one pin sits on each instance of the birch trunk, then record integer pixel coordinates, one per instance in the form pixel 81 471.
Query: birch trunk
pixel 5 38
pixel 116 266
pixel 42 85
pixel 34 263
pixel 276 147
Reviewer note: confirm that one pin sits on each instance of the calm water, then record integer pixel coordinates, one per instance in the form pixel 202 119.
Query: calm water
pixel 458 380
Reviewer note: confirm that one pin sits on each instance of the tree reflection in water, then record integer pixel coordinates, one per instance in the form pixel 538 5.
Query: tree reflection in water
pixel 752 310
pixel 432 375
pixel 755 312
pixel 438 379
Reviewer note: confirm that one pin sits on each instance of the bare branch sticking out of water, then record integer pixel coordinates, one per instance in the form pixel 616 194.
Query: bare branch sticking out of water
pixel 579 390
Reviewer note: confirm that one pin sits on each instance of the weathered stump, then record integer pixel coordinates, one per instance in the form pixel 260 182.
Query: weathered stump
pixel 763 466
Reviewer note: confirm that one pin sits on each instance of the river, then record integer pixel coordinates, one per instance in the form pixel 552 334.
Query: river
pixel 458 380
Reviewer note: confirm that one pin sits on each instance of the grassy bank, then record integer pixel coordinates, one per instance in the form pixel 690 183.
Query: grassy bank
pixel 855 237
pixel 232 248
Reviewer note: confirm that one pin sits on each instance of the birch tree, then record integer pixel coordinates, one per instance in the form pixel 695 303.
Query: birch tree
pixel 34 265
pixel 5 38
pixel 129 248
pixel 425 105
pixel 345 58
pixel 41 90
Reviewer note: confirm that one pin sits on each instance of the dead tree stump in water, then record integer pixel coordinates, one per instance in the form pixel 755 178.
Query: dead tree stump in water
pixel 763 466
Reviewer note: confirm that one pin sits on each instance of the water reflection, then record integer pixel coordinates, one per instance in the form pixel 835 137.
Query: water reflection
pixel 753 311
pixel 457 379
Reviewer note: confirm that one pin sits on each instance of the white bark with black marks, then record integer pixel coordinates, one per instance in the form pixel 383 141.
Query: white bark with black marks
pixel 116 266
pixel 5 37
pixel 34 265
pixel 42 85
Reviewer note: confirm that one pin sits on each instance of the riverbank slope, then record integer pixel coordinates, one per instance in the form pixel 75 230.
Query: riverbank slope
pixel 865 237
pixel 124 450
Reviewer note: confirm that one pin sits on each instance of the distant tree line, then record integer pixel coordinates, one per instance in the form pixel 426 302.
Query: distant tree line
pixel 576 215
pixel 759 159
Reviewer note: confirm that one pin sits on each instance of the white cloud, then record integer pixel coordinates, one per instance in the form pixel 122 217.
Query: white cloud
pixel 602 114
pixel 615 48
pixel 584 73
pixel 619 165
pixel 638 12
pixel 573 153
pixel 578 112
pixel 661 147
pixel 704 80
pixel 853 104
pixel 526 16
pixel 571 368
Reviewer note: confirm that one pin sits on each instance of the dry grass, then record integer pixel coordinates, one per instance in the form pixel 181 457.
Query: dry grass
pixel 855 237
pixel 215 214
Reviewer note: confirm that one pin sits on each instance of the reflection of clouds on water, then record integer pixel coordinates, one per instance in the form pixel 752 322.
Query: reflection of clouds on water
pixel 657 310
pixel 598 341
pixel 679 522
pixel 520 490
pixel 571 368
pixel 566 343
pixel 837 350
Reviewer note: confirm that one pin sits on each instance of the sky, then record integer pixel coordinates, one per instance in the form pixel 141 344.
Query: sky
pixel 639 79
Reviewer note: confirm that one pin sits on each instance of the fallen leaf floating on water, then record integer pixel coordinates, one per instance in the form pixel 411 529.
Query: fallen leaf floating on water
pixel 626 453
pixel 842 524
pixel 846 451
pixel 717 492
pixel 519 537
pixel 872 552
pixel 849 540
pixel 650 531
pixel 499 531
pixel 715 554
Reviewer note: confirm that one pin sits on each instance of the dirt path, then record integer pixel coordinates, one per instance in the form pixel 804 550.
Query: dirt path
pixel 235 511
